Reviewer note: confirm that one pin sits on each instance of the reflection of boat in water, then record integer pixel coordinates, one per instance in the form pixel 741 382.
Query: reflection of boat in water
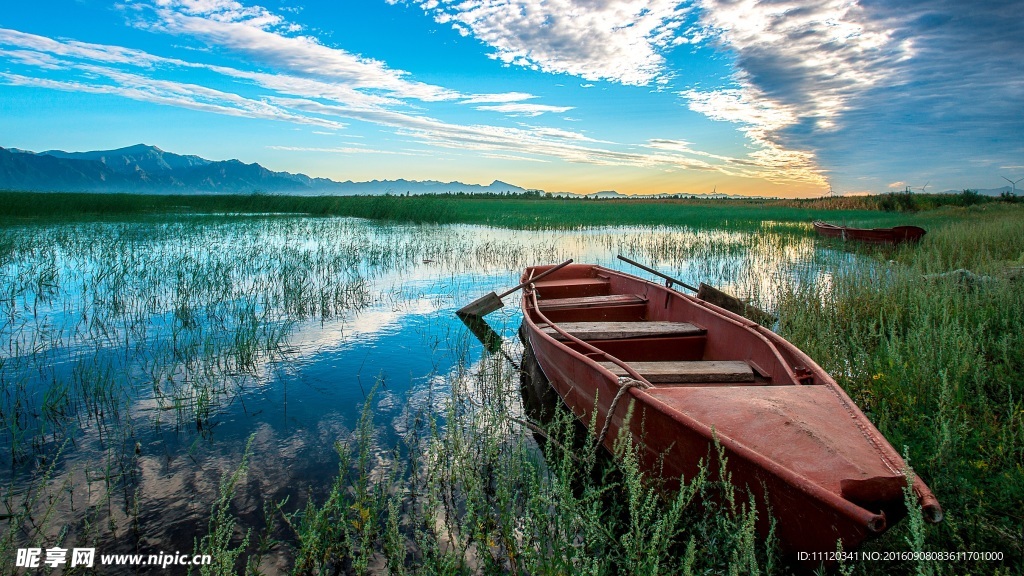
pixel 677 375
pixel 895 235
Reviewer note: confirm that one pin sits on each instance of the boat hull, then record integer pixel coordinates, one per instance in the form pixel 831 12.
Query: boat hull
pixel 771 431
pixel 895 235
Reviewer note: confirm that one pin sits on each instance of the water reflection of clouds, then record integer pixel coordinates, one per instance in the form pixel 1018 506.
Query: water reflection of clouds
pixel 313 337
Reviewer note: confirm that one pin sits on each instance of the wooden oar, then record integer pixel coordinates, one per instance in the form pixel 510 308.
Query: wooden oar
pixel 713 295
pixel 491 302
pixel 668 279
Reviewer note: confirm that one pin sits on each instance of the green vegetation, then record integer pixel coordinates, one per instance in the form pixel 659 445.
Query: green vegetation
pixel 217 543
pixel 521 211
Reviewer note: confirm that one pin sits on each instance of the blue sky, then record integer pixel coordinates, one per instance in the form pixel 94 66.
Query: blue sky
pixel 745 97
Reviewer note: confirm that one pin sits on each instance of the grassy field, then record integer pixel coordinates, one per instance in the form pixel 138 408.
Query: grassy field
pixel 507 211
pixel 933 358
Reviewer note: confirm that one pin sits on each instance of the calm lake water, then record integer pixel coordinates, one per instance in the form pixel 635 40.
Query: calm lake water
pixel 137 359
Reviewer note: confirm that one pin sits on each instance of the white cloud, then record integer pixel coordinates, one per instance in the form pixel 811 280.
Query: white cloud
pixel 872 87
pixel 808 59
pixel 512 157
pixel 31 58
pixel 761 120
pixel 616 40
pixel 263 36
pixel 523 109
pixel 796 66
pixel 304 66
pixel 311 88
pixel 295 99
pixel 225 11
pixel 94 52
pixel 167 93
pixel 541 141
pixel 744 106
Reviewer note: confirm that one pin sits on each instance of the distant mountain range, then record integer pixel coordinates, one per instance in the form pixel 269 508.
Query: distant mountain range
pixel 148 169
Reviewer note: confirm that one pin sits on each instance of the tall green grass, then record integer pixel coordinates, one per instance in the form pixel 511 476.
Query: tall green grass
pixel 508 211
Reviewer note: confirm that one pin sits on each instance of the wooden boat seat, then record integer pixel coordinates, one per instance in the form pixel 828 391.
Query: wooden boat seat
pixel 572 287
pixel 588 331
pixel 692 372
pixel 591 302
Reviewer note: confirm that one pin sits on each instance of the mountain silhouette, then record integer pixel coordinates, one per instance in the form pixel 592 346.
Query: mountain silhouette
pixel 148 169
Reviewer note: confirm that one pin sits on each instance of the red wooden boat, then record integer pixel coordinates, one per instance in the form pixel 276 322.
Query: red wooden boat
pixel 688 372
pixel 894 235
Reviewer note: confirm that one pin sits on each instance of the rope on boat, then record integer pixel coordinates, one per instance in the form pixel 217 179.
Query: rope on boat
pixel 624 385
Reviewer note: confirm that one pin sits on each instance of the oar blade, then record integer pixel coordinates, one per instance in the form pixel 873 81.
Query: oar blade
pixel 491 302
pixel 481 306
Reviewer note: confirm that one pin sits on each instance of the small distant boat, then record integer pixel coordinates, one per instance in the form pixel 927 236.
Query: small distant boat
pixel 895 235
pixel 677 375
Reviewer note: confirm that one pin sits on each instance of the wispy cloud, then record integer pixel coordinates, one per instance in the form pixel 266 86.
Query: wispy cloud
pixel 268 39
pixel 340 150
pixel 181 95
pixel 524 109
pixel 755 112
pixel 302 62
pixel 31 58
pixel 512 103
pixel 82 50
pixel 497 98
pixel 513 157
pixel 762 120
pixel 482 138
